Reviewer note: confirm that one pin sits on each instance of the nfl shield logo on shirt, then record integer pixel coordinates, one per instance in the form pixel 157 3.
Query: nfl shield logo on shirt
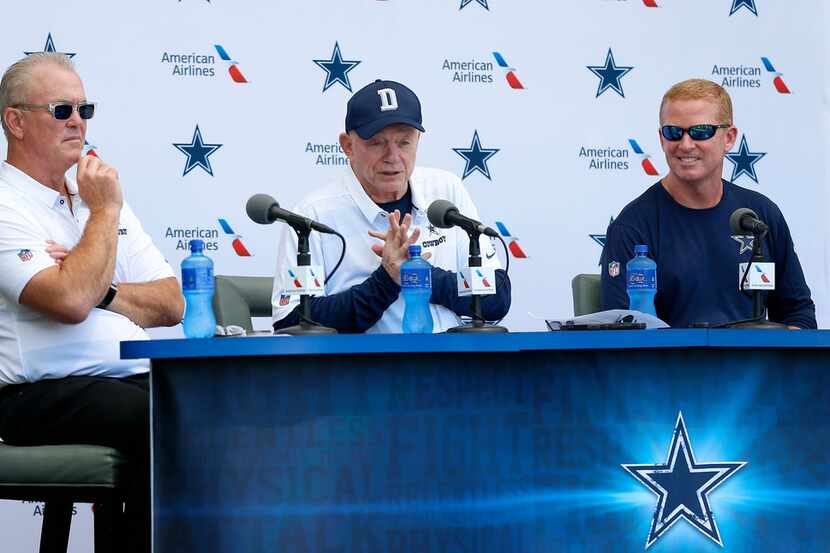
pixel 614 268
pixel 25 255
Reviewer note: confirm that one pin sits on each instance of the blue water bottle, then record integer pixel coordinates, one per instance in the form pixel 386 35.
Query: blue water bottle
pixel 197 284
pixel 416 286
pixel 641 281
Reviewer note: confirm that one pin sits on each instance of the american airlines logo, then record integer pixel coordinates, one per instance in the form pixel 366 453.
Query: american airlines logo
pixel 481 71
pixel 202 64
pixel 512 241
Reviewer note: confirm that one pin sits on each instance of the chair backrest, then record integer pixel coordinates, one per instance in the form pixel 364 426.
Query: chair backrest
pixel 238 298
pixel 586 294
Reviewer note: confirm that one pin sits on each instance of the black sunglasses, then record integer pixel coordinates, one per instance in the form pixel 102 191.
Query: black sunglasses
pixel 696 132
pixel 63 110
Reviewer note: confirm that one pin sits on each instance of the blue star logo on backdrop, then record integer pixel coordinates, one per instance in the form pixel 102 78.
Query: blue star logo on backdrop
pixel 50 47
pixel 601 239
pixel 610 75
pixel 482 3
pixel 337 69
pixel 476 157
pixel 682 486
pixel 746 243
pixel 744 161
pixel 748 4
pixel 197 152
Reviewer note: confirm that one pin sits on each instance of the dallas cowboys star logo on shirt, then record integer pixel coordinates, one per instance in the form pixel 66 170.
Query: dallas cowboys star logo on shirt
pixel 197 152
pixel 748 4
pixel 682 486
pixel 476 157
pixel 610 75
pixel 746 243
pixel 744 161
pixel 50 47
pixel 337 69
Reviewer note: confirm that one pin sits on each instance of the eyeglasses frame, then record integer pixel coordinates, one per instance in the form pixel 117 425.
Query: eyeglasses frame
pixel 51 106
pixel 686 131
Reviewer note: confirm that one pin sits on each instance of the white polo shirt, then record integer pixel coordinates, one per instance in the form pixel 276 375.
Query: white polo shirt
pixel 32 346
pixel 345 206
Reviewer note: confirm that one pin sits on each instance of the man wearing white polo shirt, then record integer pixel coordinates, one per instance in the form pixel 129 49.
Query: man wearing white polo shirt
pixel 374 204
pixel 79 276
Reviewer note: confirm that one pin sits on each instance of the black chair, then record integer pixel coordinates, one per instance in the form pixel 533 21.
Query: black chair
pixel 238 298
pixel 61 475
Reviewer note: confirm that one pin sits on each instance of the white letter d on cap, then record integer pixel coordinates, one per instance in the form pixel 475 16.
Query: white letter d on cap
pixel 388 99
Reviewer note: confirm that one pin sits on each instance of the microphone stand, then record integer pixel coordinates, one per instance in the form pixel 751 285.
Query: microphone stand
pixel 758 309
pixel 306 327
pixel 478 323
pixel 759 312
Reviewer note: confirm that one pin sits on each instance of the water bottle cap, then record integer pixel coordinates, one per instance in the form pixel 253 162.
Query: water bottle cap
pixel 197 245
pixel 640 249
pixel 414 249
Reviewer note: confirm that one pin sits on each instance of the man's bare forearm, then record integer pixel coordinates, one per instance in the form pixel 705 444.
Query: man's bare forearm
pixel 149 304
pixel 69 291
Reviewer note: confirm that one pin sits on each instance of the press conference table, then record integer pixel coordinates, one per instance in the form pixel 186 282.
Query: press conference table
pixel 480 443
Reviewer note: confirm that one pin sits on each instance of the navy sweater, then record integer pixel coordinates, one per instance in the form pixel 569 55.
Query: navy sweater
pixel 697 259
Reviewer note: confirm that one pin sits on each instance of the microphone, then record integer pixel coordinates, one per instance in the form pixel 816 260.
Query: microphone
pixel 443 214
pixel 264 209
pixel 745 221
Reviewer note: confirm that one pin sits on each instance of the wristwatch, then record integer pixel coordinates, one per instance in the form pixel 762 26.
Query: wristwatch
pixel 113 289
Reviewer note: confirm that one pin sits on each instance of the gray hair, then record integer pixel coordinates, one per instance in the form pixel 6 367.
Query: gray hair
pixel 17 77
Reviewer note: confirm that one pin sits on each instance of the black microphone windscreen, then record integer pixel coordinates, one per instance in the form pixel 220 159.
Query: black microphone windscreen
pixel 437 213
pixel 258 207
pixel 735 220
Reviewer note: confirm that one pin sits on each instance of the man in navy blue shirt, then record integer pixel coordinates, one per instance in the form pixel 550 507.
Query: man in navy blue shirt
pixel 684 220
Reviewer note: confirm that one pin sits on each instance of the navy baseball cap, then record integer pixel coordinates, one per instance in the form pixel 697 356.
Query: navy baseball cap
pixel 380 104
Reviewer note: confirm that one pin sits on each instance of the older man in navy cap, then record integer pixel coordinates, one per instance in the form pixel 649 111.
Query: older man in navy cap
pixel 379 204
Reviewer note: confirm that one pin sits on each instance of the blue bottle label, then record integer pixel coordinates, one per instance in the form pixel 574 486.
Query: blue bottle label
pixel 196 279
pixel 416 278
pixel 642 279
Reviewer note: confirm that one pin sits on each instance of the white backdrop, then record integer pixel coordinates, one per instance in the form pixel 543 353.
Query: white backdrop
pixel 564 164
